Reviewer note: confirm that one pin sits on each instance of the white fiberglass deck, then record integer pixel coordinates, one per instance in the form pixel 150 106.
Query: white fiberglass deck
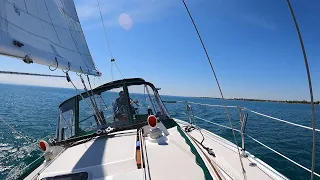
pixel 100 157
pixel 227 158
pixel 172 159
pixel 168 157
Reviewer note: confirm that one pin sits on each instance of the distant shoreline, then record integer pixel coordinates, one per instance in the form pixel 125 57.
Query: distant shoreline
pixel 264 100
pixel 242 99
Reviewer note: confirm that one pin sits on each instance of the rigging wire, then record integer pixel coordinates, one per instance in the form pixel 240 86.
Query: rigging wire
pixel 119 70
pixel 25 147
pixel 24 137
pixel 287 122
pixel 105 31
pixel 108 44
pixel 285 157
pixel 111 71
pixel 151 100
pixel 112 60
pixel 95 108
pixel 94 99
pixel 310 87
pixel 216 79
pixel 80 94
pixel 281 120
pixel 16 174
pixel 31 74
pixel 249 110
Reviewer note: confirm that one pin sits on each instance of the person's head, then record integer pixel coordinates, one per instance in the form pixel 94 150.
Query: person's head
pixel 121 93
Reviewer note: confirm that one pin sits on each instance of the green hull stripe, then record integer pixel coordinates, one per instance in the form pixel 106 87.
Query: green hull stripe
pixel 169 123
pixel 31 168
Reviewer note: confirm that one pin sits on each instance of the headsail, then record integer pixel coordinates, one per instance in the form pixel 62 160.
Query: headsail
pixel 46 32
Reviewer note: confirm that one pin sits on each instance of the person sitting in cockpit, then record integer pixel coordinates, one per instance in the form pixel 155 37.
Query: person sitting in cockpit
pixel 120 107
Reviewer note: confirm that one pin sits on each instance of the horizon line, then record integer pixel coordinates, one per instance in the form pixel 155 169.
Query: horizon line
pixel 203 97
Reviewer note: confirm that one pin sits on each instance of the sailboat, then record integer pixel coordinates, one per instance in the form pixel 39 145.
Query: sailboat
pixel 112 132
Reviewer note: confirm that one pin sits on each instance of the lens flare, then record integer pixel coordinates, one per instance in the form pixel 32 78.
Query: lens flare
pixel 125 21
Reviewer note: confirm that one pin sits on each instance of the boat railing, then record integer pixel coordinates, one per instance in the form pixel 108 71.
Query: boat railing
pixel 243 118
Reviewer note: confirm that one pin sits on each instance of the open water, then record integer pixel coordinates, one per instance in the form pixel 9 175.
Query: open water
pixel 33 112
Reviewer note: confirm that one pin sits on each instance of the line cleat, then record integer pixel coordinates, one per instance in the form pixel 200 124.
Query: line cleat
pixel 211 153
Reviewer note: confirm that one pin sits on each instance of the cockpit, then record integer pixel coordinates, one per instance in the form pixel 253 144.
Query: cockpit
pixel 122 103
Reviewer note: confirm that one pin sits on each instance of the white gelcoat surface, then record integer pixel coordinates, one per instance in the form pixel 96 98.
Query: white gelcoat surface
pixel 172 160
pixel 100 157
pixel 227 158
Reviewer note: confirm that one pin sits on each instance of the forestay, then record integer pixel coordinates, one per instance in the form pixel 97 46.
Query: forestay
pixel 46 32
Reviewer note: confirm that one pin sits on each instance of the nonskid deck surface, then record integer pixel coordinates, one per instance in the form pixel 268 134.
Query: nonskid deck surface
pixel 227 158
pixel 114 158
pixel 173 156
pixel 99 157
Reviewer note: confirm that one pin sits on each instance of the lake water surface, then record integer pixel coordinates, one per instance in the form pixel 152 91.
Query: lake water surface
pixel 33 111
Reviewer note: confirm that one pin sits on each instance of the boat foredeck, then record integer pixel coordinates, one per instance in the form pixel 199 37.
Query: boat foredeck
pixel 172 158
pixel 227 158
pixel 100 158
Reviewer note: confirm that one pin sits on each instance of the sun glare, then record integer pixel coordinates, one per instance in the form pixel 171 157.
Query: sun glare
pixel 125 21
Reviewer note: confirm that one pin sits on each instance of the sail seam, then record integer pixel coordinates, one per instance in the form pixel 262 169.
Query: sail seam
pixel 84 38
pixel 38 15
pixel 35 25
pixel 63 4
pixel 69 25
pixel 52 22
pixel 21 10
pixel 44 38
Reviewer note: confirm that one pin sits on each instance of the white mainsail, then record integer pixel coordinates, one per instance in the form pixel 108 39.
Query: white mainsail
pixel 46 32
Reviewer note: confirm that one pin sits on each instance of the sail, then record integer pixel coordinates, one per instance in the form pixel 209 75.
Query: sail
pixel 46 32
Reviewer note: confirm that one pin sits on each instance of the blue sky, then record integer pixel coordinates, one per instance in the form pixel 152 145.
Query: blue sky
pixel 253 46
